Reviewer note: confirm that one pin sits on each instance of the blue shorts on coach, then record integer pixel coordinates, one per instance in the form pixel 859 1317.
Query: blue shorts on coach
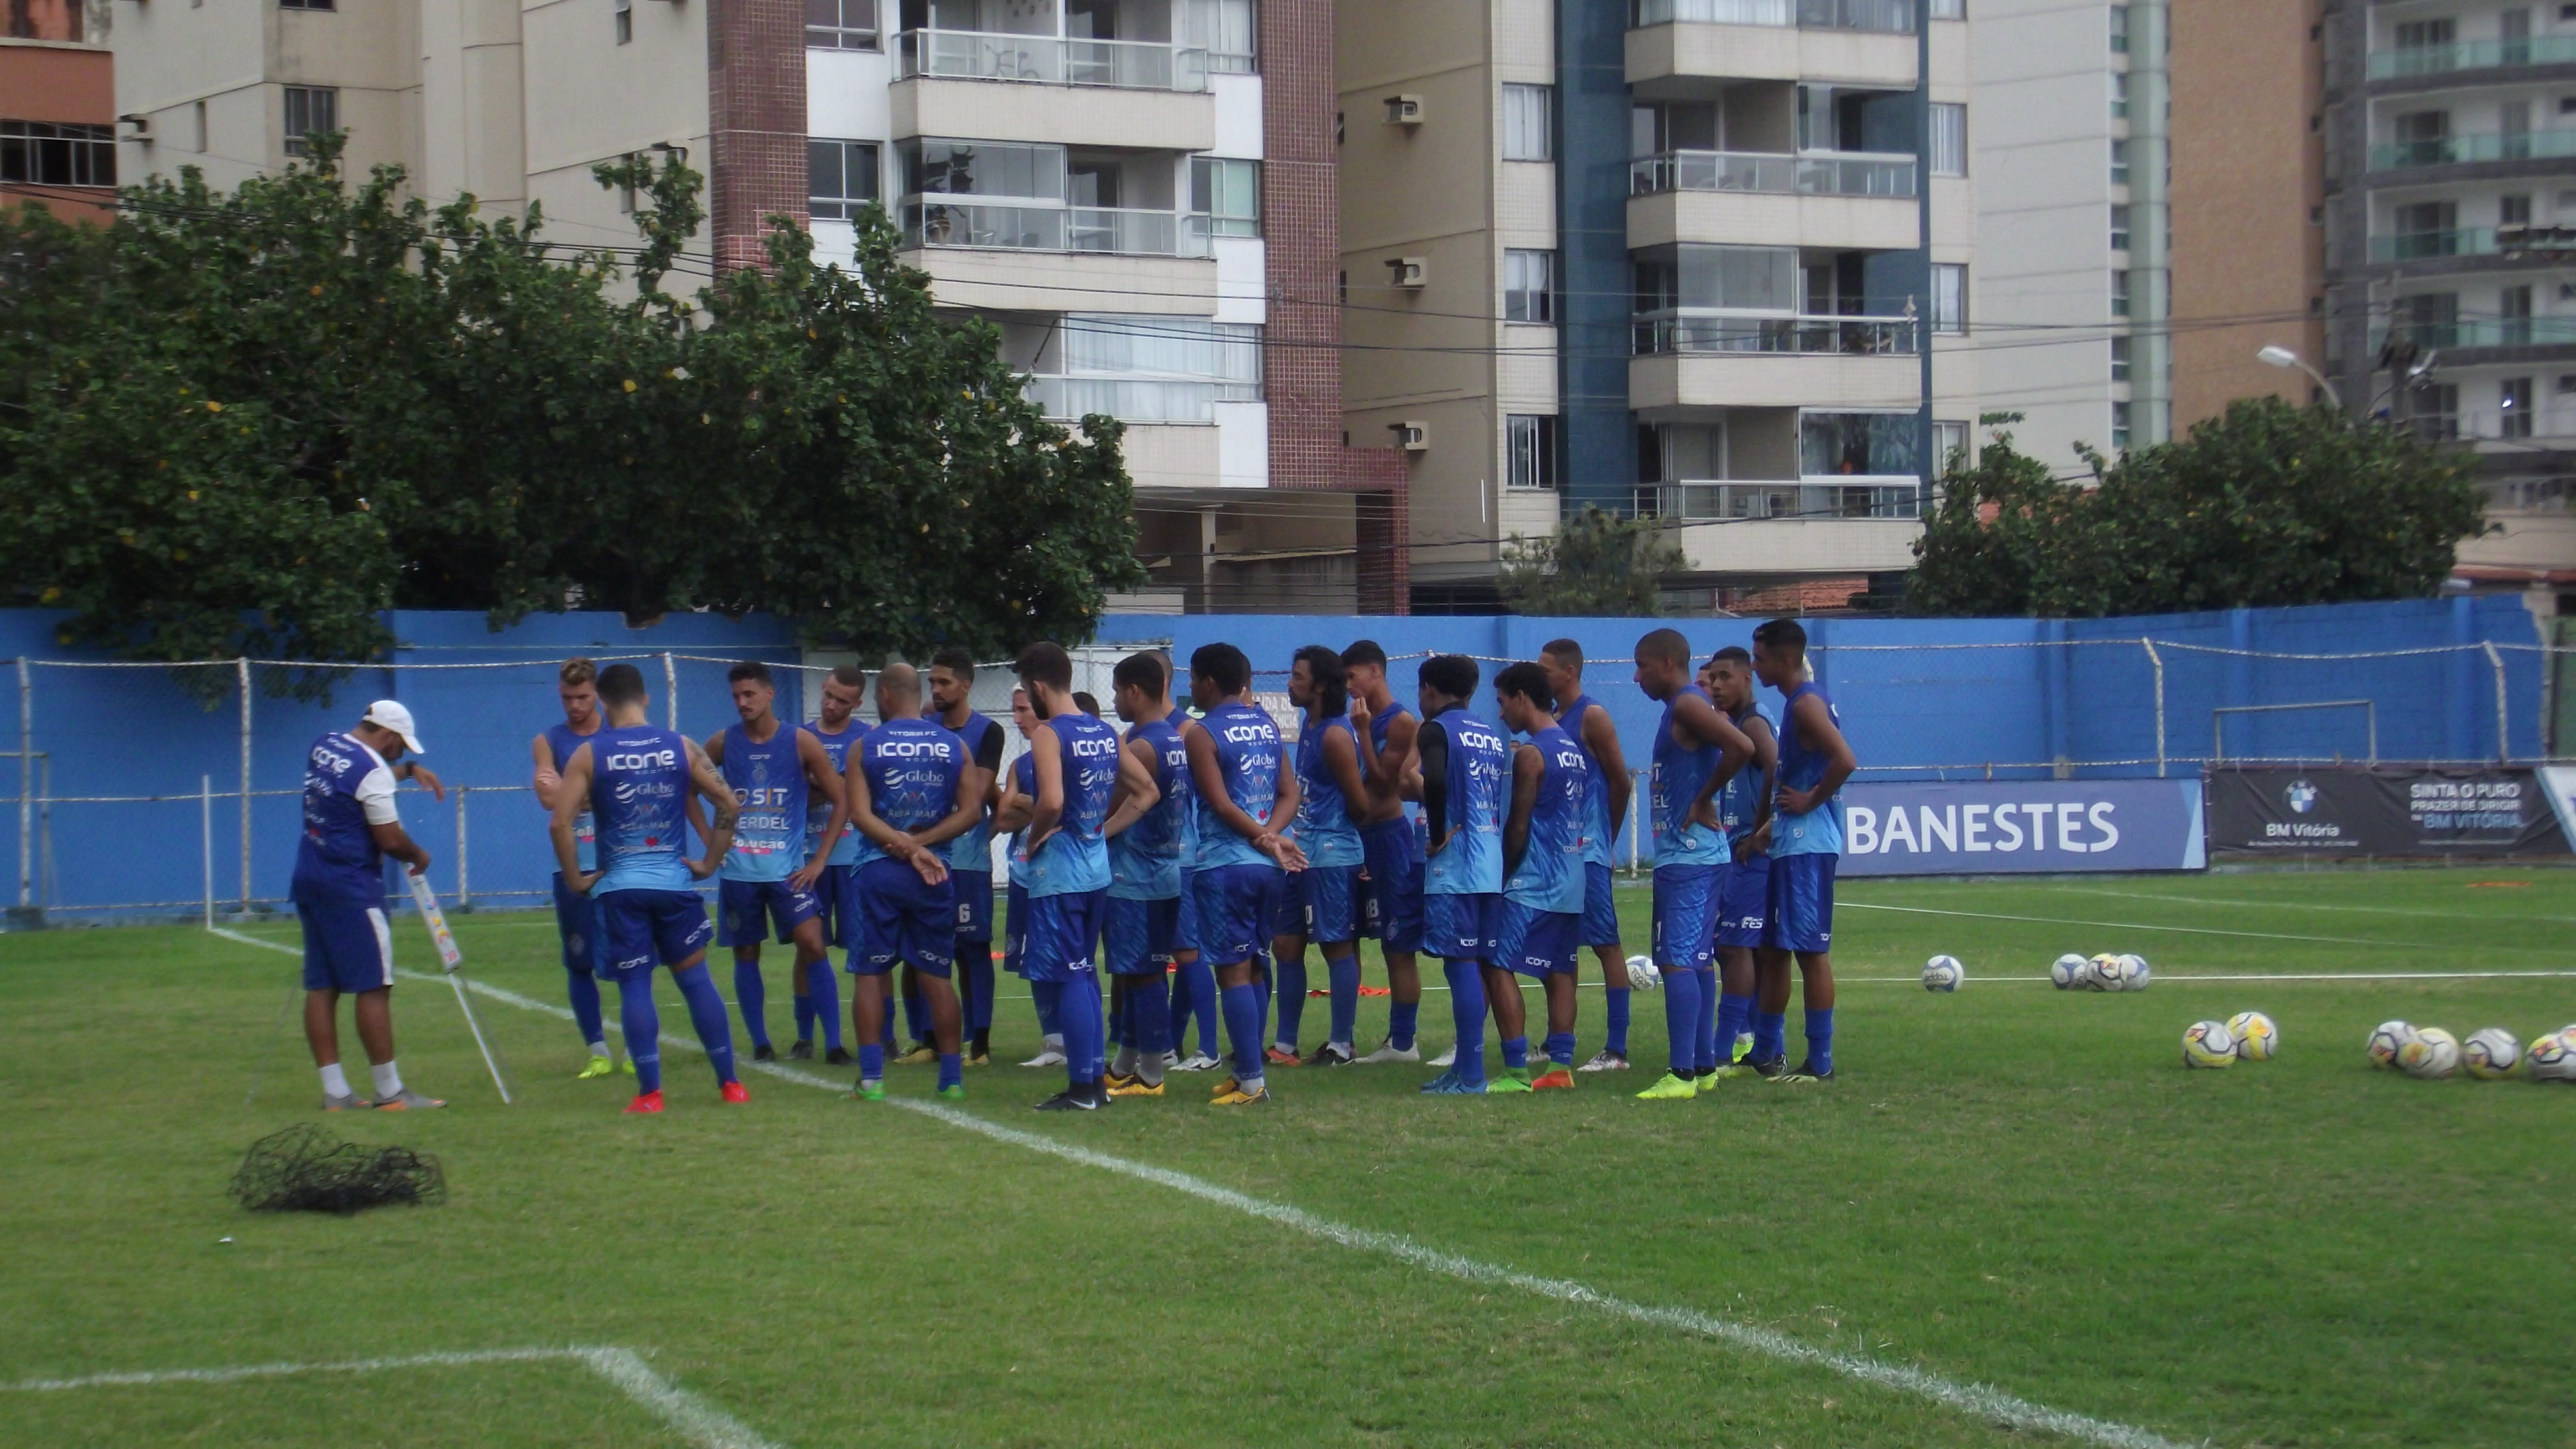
pixel 1461 928
pixel 577 922
pixel 1800 916
pixel 1745 901
pixel 347 948
pixel 1236 905
pixel 1138 935
pixel 1537 943
pixel 1062 936
pixel 1686 902
pixel 650 928
pixel 902 920
pixel 747 908
pixel 1600 906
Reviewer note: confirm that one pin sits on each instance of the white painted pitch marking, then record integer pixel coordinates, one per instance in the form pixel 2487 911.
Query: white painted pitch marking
pixel 1978 1400
pixel 693 1418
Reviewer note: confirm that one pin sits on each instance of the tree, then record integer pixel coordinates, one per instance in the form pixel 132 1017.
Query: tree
pixel 1596 564
pixel 2269 505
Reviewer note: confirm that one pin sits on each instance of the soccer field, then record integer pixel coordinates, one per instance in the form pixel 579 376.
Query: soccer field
pixel 2013 1218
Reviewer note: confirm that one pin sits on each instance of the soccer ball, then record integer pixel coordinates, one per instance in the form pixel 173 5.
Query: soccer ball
pixel 2066 971
pixel 2208 1044
pixel 1943 973
pixel 1642 975
pixel 2491 1055
pixel 2387 1041
pixel 2102 973
pixel 2256 1037
pixel 2553 1057
pixel 2431 1056
pixel 2133 973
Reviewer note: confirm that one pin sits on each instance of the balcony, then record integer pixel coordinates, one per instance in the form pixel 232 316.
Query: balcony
pixel 1130 400
pixel 1893 17
pixel 1861 42
pixel 2488 332
pixel 1115 230
pixel 1826 498
pixel 2470 150
pixel 2548 243
pixel 1845 336
pixel 1050 60
pixel 1812 173
pixel 1774 362
pixel 2467 55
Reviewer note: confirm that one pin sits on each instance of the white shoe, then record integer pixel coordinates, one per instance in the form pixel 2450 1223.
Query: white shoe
pixel 1448 1058
pixel 1197 1062
pixel 1606 1061
pixel 1392 1053
pixel 1047 1058
pixel 1171 1060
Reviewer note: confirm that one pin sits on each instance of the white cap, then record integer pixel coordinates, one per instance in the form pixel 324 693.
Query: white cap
pixel 389 714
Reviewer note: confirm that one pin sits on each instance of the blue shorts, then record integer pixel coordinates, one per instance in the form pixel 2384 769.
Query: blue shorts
pixel 831 889
pixel 1236 905
pixel 1392 909
pixel 1600 906
pixel 1015 933
pixel 346 948
pixel 646 928
pixel 1322 904
pixel 1800 913
pixel 974 904
pixel 1185 926
pixel 901 920
pixel 1063 934
pixel 1686 902
pixel 745 907
pixel 1138 935
pixel 1745 902
pixel 1538 943
pixel 577 921
pixel 1462 928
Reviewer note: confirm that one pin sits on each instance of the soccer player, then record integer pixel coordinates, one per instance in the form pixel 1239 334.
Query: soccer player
pixel 350 826
pixel 1390 848
pixel 1144 908
pixel 1322 902
pixel 1459 777
pixel 970 857
pixel 909 794
pixel 1695 751
pixel 576 916
pixel 773 771
pixel 640 783
pixel 1744 808
pixel 818 997
pixel 1239 792
pixel 1194 994
pixel 1543 875
pixel 1605 803
pixel 1079 766
pixel 1805 844
pixel 1019 800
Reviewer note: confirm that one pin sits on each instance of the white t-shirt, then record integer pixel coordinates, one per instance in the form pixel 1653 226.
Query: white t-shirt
pixel 375 793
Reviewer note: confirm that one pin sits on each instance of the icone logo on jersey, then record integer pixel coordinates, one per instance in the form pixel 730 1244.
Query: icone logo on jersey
pixel 1092 749
pixel 331 760
pixel 643 759
pixel 1476 739
pixel 1247 734
pixel 913 750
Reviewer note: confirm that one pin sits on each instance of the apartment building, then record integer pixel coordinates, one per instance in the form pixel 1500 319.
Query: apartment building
pixel 1666 257
pixel 1137 193
pixel 57 107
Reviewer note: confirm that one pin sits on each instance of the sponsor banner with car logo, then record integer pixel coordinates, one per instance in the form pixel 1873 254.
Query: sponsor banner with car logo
pixel 2389 810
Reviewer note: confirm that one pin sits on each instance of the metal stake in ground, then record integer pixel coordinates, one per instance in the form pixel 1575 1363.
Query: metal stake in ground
pixel 452 960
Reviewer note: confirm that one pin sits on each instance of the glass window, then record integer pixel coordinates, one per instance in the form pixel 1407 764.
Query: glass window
pixel 1950 140
pixel 1949 298
pixel 2119 163
pixel 305 4
pixel 2119 359
pixel 1529 286
pixel 982 168
pixel 2119 30
pixel 1528 125
pixel 841 178
pixel 1529 445
pixel 2120 294
pixel 1736 279
pixel 2119 228
pixel 841 24
pixel 1948 9
pixel 2119 426
pixel 1950 444
pixel 2513 408
pixel 310 111
pixel 1227 353
pixel 1227 30
pixel 57 153
pixel 1874 444
pixel 2119 95
pixel 1227 194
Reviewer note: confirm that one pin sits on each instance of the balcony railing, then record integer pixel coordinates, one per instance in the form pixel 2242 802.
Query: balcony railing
pixel 2487 332
pixel 1136 65
pixel 2557 242
pixel 1822 499
pixel 1136 399
pixel 1123 231
pixel 1894 17
pixel 2417 60
pixel 1843 336
pixel 2464 150
pixel 1812 173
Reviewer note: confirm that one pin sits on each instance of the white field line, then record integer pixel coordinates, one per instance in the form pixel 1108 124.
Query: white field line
pixel 2191 930
pixel 693 1418
pixel 1977 1400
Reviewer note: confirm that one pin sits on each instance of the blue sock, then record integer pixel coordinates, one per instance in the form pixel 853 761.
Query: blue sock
pixel 706 1013
pixel 826 994
pixel 1707 1059
pixel 952 1070
pixel 1243 1029
pixel 1261 984
pixel 1820 1040
pixel 1770 1035
pixel 583 990
pixel 1681 1019
pixel 1403 1023
pixel 1467 1012
pixel 977 981
pixel 1149 1017
pixel 1205 1004
pixel 751 995
pixel 1344 974
pixel 1734 1015
pixel 1560 1048
pixel 871 1062
pixel 1049 996
pixel 643 1026
pixel 1077 1010
pixel 1617 1017
pixel 1516 1054
pixel 1292 997
pixel 804 1016
pixel 916 1012
pixel 1122 1014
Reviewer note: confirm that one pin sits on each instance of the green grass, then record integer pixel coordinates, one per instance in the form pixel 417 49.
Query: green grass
pixel 2009 1186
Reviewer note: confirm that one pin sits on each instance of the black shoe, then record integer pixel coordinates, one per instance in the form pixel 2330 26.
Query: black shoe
pixel 1806 1072
pixel 1067 1101
pixel 839 1057
pixel 1773 1067
pixel 764 1053
pixel 1328 1055
pixel 803 1051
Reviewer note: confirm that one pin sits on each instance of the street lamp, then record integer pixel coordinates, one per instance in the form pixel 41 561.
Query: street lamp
pixel 2277 356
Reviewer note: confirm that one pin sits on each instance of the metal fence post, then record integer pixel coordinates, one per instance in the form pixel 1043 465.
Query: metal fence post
pixel 464 887
pixel 2504 736
pixel 206 839
pixel 2157 660
pixel 241 675
pixel 670 693
pixel 26 786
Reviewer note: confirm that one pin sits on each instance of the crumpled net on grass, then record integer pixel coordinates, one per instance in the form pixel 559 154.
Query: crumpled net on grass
pixel 305 1169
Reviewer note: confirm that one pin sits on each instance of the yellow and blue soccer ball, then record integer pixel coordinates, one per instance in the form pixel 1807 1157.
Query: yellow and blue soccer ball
pixel 2553 1057
pixel 2431 1056
pixel 2102 973
pixel 1943 973
pixel 2256 1037
pixel 2491 1055
pixel 2387 1041
pixel 2208 1044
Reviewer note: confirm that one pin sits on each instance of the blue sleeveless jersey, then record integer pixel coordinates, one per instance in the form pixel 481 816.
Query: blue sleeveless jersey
pixel 338 861
pixel 1325 830
pixel 1596 786
pixel 1024 781
pixel 768 782
pixel 972 849
pixel 1550 877
pixel 585 829
pixel 639 790
pixel 1074 858
pixel 1145 858
pixel 1379 724
pixel 911 766
pixel 1679 775
pixel 1471 864
pixel 1819 831
pixel 836 748
pixel 1247 755
pixel 1739 800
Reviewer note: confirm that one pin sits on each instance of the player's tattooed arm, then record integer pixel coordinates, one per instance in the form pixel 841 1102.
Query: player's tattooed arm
pixel 570 795
pixel 724 808
pixel 819 773
pixel 1135 793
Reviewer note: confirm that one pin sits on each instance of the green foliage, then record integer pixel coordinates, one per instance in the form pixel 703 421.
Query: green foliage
pixel 251 422
pixel 1597 564
pixel 2269 505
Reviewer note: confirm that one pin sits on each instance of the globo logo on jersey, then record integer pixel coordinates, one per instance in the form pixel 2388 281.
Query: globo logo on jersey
pixel 643 759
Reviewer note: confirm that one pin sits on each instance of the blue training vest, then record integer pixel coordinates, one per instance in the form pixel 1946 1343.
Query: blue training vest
pixel 1679 774
pixel 1550 877
pixel 337 862
pixel 585 829
pixel 1597 825
pixel 1145 858
pixel 972 850
pixel 1247 755
pixel 1325 830
pixel 1074 858
pixel 911 766
pixel 1471 863
pixel 768 780
pixel 639 790
pixel 1819 831
pixel 1739 800
pixel 836 748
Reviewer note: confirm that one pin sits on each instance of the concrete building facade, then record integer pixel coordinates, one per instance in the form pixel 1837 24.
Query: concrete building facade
pixel 57 106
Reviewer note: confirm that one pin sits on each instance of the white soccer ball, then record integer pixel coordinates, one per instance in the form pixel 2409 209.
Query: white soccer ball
pixel 1642 975
pixel 1943 973
pixel 2256 1037
pixel 2134 973
pixel 2066 971
pixel 2553 1057
pixel 2491 1054
pixel 2102 973
pixel 2208 1044
pixel 2387 1040
pixel 2431 1056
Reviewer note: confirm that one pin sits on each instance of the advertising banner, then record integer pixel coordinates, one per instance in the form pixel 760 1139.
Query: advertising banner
pixel 2021 826
pixel 2390 810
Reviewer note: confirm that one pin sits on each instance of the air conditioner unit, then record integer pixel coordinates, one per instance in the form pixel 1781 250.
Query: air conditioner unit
pixel 1404 110
pixel 1413 437
pixel 142 125
pixel 1408 271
